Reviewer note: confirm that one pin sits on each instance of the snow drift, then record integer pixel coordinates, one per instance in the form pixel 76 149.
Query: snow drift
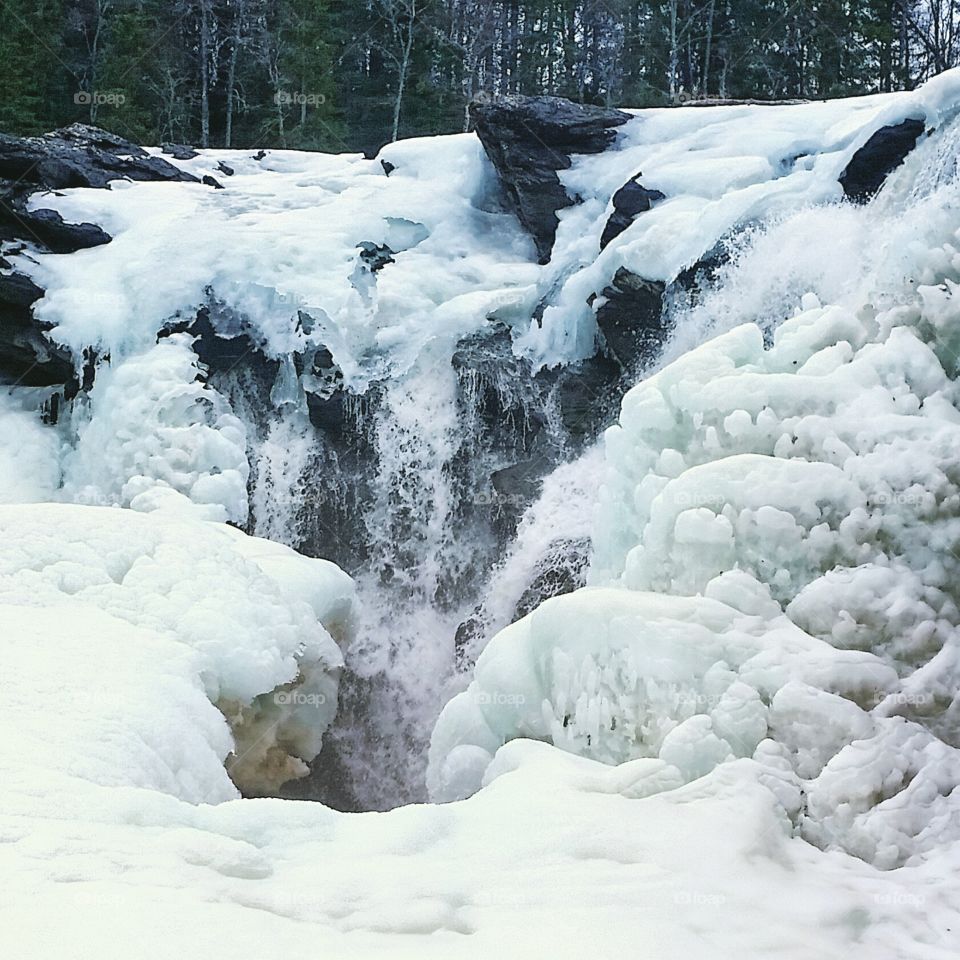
pixel 247 623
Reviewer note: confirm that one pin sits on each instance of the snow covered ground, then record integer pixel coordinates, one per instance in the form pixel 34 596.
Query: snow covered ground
pixel 748 724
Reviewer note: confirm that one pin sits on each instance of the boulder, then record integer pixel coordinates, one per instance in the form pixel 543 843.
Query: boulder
pixel 562 569
pixel 179 151
pixel 48 228
pixel 630 318
pixel 528 139
pixel 878 158
pixel 27 357
pixel 80 156
pixel 74 156
pixel 629 201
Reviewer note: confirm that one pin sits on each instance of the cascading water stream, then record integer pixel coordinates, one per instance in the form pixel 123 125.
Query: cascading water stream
pixel 407 507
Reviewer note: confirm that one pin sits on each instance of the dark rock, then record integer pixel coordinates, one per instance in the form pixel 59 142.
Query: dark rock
pixel 16 289
pixel 587 394
pixel 631 318
pixel 326 397
pixel 80 156
pixel 528 139
pixel 468 633
pixel 388 167
pixel 221 353
pixel 27 357
pixel 49 229
pixel 179 151
pixel 520 483
pixel 629 201
pixel 704 272
pixel 375 256
pixel 84 135
pixel 561 570
pixel 878 158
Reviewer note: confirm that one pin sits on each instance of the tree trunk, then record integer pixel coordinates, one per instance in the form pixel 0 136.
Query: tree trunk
pixel 204 73
pixel 232 75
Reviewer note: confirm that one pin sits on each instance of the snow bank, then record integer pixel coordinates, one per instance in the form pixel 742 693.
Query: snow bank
pixel 249 622
pixel 558 857
pixel 773 561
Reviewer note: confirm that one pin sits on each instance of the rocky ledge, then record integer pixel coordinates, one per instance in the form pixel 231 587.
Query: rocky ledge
pixel 75 156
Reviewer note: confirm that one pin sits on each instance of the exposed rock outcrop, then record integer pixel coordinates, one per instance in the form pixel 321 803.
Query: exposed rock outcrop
pixel 528 139
pixel 629 201
pixel 878 158
pixel 630 318
pixel 80 156
pixel 27 357
pixel 74 156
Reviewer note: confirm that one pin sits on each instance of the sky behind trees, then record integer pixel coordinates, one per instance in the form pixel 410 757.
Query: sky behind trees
pixel 353 74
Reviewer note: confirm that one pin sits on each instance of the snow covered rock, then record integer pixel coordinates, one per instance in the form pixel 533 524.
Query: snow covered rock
pixel 80 156
pixel 259 623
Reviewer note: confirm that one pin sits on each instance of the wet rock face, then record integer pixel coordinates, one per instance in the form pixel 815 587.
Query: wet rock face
pixel 630 318
pixel 528 139
pixel 629 202
pixel 878 158
pixel 27 357
pixel 562 569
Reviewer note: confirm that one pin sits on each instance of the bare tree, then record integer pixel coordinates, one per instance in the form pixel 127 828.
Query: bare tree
pixel 472 35
pixel 90 20
pixel 403 20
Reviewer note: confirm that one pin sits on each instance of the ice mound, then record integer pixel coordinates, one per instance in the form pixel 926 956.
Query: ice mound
pixel 775 573
pixel 153 434
pixel 255 621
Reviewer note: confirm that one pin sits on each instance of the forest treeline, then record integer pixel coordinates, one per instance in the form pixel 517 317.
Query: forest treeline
pixel 352 74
